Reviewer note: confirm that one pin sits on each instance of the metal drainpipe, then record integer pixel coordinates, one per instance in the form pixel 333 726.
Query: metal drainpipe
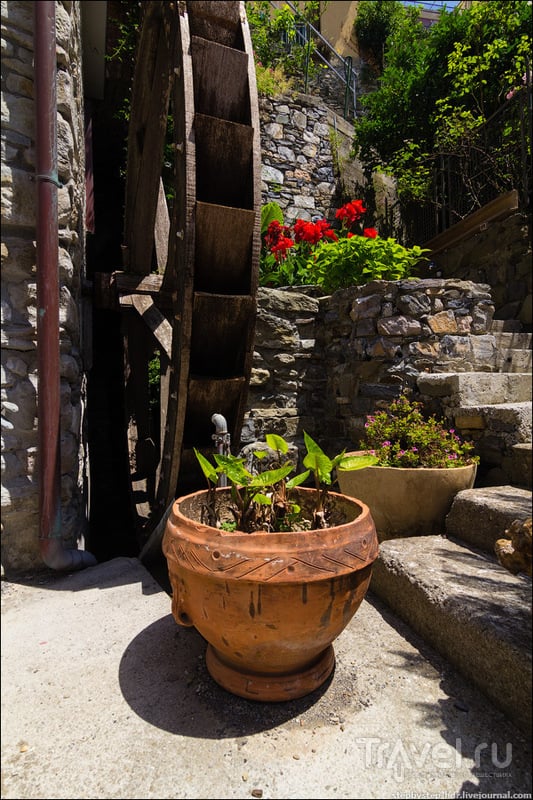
pixel 53 552
pixel 222 441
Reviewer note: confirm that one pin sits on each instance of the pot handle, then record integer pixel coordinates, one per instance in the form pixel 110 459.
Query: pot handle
pixel 179 611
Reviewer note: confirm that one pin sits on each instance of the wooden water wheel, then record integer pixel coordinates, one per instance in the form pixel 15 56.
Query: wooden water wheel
pixel 187 291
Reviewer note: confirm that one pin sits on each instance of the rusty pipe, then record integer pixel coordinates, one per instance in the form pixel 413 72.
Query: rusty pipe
pixel 53 552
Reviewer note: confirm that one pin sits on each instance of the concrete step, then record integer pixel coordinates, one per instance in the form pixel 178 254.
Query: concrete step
pixel 480 516
pixel 498 325
pixel 472 388
pixel 512 350
pixel 512 340
pixel 468 608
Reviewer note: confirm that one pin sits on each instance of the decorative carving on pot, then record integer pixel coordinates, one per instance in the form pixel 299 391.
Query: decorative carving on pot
pixel 269 604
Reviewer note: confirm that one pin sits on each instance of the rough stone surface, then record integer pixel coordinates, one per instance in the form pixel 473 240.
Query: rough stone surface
pixel 480 517
pixel 354 350
pixel 19 305
pixel 469 608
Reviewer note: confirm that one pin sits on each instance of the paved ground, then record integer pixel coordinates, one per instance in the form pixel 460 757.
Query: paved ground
pixel 104 696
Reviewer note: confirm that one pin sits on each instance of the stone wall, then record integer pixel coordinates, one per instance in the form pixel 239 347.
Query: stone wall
pixel 309 171
pixel 296 153
pixel 501 256
pixel 20 491
pixel 321 364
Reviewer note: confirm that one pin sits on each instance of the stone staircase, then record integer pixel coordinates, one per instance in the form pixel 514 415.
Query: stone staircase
pixel 451 588
pixel 492 408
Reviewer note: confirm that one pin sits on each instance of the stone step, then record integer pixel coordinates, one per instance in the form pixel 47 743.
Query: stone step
pixel 473 388
pixel 498 325
pixel 494 428
pixel 514 360
pixel 480 516
pixel 512 340
pixel 517 465
pixel 467 607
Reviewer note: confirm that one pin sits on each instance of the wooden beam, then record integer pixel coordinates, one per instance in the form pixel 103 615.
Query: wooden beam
pixel 158 324
pixel 161 230
pixel 128 284
pixel 152 84
pixel 497 209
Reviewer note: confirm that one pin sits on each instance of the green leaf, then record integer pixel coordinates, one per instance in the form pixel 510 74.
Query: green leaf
pixel 298 479
pixel 270 212
pixel 276 442
pixel 271 476
pixel 262 499
pixel 207 468
pixel 357 462
pixel 234 469
pixel 311 445
pixel 321 465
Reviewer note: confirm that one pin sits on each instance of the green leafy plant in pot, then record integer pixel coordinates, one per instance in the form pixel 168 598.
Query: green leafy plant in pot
pixel 269 571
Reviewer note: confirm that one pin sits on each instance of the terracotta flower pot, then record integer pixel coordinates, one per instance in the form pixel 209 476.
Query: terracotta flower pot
pixel 406 501
pixel 269 604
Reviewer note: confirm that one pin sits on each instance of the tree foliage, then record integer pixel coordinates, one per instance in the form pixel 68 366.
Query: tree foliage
pixel 374 24
pixel 439 85
pixel 281 56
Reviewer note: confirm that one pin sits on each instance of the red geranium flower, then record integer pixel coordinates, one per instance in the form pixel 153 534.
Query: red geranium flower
pixel 281 247
pixel 370 233
pixel 275 232
pixel 351 212
pixel 312 232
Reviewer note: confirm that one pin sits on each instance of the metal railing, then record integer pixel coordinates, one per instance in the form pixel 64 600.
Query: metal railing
pixel 337 67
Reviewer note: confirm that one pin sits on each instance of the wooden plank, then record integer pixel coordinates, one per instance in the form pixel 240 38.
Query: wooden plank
pixel 220 334
pixel 149 284
pixel 497 209
pixel 220 81
pixel 179 274
pixel 220 22
pixel 220 268
pixel 225 181
pixel 157 323
pixel 147 128
pixel 255 126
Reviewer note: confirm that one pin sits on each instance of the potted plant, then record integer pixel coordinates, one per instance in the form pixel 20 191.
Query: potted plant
pixel 420 466
pixel 269 571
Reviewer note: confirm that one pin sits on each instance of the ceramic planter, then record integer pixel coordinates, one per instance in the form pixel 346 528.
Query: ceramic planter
pixel 407 501
pixel 269 605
